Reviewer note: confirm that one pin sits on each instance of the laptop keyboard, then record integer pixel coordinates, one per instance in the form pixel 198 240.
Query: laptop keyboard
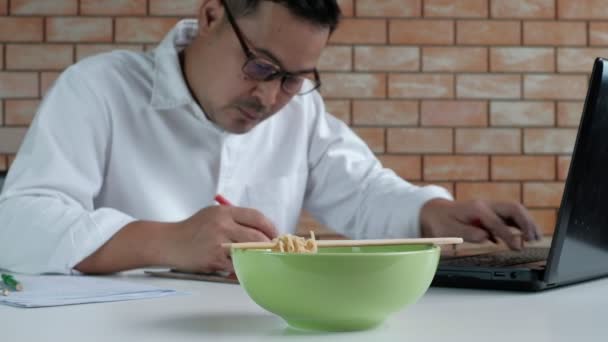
pixel 500 259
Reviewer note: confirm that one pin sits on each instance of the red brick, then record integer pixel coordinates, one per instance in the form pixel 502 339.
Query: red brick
pixel 555 33
pixel 421 32
pixel 360 31
pixel 143 30
pixel 545 194
pixel 549 140
pixel 449 168
pixel 420 140
pixel 18 84
pixel 456 8
pixel 181 7
pixel 569 113
pixel 488 86
pixel 563 166
pixel 487 32
pixel 339 109
pixel 113 7
pixel 86 50
pixel 150 47
pixel 455 59
pixel 545 218
pixel 389 8
pixel 421 86
pixel 598 33
pixel 336 58
pixel 347 7
pixel 78 29
pixel 582 9
pixel 578 59
pixel 341 85
pixel 387 58
pixel 488 191
pixel 39 57
pixel 44 7
pixel 454 113
pixel 523 9
pixel 20 112
pixel 3 7
pixel 21 29
pixel 558 87
pixel 523 168
pixel 406 167
pixel 488 140
pixel 521 59
pixel 46 81
pixel 385 112
pixel 522 113
pixel 374 137
pixel 10 159
pixel 10 138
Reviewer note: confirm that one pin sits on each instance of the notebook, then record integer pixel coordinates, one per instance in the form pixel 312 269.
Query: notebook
pixel 579 247
pixel 58 290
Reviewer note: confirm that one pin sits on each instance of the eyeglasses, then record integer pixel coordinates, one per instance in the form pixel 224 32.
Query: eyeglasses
pixel 261 69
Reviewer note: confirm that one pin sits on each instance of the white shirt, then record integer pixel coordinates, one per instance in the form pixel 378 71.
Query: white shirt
pixel 119 138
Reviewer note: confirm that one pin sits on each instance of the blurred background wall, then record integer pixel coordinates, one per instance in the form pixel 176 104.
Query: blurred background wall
pixel 482 97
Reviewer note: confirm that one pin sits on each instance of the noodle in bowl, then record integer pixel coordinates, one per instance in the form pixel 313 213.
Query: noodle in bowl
pixel 335 288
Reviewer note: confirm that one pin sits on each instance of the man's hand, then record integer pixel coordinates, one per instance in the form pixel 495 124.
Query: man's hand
pixel 478 220
pixel 195 244
pixel 191 245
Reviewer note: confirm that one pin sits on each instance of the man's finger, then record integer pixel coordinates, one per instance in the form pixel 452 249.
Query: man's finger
pixel 247 234
pixel 496 226
pixel 254 219
pixel 468 233
pixel 477 223
pixel 521 217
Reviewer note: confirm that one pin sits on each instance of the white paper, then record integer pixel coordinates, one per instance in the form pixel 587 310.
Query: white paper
pixel 55 290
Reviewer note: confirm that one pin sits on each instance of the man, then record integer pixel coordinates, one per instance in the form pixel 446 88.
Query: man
pixel 121 164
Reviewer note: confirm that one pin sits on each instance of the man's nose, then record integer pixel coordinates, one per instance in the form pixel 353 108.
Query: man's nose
pixel 268 92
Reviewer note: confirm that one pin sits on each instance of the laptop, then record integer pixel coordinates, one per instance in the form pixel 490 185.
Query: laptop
pixel 579 247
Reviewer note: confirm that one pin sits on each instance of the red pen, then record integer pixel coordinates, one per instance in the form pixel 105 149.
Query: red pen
pixel 221 200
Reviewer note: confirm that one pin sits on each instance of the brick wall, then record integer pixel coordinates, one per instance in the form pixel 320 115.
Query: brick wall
pixel 480 96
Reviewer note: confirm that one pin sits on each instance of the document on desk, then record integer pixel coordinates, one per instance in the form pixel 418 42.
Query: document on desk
pixel 56 290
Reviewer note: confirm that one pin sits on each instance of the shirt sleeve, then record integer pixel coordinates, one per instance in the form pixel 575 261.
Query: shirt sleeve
pixel 48 219
pixel 350 191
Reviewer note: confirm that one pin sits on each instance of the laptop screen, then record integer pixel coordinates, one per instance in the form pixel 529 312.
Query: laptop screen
pixel 580 244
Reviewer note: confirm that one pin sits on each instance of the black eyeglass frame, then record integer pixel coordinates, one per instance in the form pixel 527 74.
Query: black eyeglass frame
pixel 283 75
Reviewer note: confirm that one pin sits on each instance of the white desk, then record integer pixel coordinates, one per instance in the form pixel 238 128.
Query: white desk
pixel 224 312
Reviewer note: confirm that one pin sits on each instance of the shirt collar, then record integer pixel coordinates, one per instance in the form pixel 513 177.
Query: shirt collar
pixel 169 88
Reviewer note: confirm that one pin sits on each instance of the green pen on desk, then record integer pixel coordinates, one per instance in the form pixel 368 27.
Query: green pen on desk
pixel 11 282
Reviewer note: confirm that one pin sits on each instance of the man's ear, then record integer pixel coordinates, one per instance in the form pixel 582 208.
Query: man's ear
pixel 210 16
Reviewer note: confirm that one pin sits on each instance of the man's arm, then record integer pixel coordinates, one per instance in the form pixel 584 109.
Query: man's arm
pixel 48 221
pixel 193 245
pixel 351 192
pixel 138 244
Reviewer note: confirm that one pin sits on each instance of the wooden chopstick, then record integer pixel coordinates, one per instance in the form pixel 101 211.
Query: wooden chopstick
pixel 355 243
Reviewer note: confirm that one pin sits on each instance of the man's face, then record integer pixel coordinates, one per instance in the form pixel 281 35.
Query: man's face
pixel 215 61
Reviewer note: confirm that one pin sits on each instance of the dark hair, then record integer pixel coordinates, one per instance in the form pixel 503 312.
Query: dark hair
pixel 325 13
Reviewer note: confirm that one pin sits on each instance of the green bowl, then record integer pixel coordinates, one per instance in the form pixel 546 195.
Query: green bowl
pixel 337 289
